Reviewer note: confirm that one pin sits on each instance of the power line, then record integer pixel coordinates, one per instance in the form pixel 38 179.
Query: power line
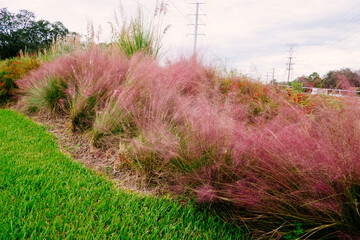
pixel 147 9
pixel 214 41
pixel 196 34
pixel 337 19
pixel 177 9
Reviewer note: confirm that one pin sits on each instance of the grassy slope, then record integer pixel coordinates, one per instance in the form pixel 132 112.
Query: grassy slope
pixel 44 194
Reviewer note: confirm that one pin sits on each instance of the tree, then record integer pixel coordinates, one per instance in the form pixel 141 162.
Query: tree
pixel 21 32
pixel 313 80
pixel 342 78
pixel 339 79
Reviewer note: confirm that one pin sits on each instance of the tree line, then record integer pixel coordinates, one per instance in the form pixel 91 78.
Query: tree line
pixel 20 31
pixel 338 79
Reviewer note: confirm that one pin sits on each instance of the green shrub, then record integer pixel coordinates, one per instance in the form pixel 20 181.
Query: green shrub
pixel 298 86
pixel 12 70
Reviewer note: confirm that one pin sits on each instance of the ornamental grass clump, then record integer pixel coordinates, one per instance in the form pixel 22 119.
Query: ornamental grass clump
pixel 109 120
pixel 79 84
pixel 48 94
pixel 139 35
pixel 61 46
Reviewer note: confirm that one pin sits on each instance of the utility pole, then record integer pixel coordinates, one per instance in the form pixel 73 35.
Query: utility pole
pixel 273 75
pixel 267 77
pixel 289 68
pixel 196 34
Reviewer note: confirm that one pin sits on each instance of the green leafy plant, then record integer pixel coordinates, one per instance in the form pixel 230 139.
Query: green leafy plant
pixel 14 69
pixel 300 99
pixel 295 233
pixel 298 86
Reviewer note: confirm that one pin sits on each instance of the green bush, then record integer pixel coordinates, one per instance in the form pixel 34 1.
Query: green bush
pixel 298 86
pixel 14 69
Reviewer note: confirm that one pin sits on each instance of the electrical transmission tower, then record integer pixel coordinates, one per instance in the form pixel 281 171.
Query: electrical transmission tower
pixel 196 34
pixel 289 64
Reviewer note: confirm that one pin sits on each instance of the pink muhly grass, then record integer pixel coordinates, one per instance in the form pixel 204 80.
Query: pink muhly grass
pixel 57 68
pixel 152 150
pixel 191 77
pixel 159 97
pixel 301 168
pixel 206 193
pixel 97 71
pixel 92 71
pixel 89 77
pixel 176 124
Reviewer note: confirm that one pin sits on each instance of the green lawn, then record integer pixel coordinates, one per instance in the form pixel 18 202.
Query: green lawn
pixel 46 195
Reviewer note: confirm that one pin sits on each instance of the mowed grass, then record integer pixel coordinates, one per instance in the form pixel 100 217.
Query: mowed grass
pixel 46 195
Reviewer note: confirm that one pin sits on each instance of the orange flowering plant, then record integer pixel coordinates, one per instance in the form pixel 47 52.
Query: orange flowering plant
pixel 12 70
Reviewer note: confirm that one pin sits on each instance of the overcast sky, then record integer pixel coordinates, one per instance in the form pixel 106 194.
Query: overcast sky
pixel 252 36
